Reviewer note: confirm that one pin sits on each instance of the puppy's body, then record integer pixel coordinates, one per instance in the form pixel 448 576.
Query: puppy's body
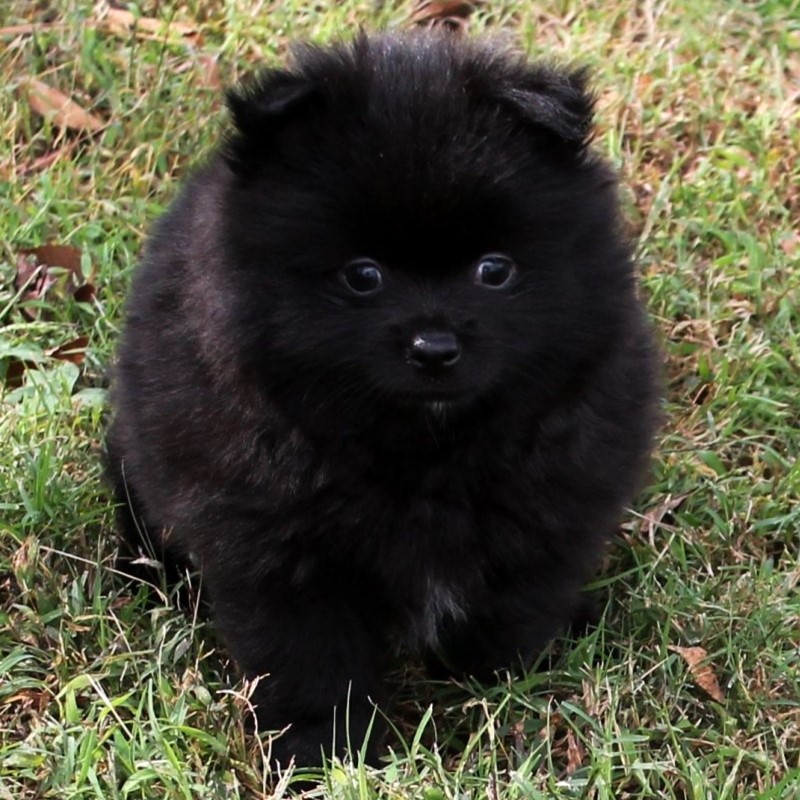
pixel 384 376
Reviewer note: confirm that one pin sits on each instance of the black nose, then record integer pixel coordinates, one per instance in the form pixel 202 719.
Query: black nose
pixel 434 350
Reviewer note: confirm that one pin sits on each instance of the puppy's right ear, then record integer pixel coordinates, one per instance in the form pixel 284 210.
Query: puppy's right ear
pixel 266 100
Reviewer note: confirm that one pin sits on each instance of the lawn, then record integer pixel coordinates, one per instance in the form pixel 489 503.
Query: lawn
pixel 690 686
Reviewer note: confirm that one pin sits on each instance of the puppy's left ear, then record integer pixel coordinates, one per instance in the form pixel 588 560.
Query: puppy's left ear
pixel 260 108
pixel 556 101
pixel 267 100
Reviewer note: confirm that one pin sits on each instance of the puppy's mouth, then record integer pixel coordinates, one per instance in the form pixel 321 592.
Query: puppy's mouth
pixel 438 408
pixel 438 395
pixel 441 403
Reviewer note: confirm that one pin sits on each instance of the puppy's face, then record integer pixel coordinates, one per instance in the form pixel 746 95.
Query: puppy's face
pixel 408 234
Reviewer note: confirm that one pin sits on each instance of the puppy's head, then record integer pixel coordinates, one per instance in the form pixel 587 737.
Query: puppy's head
pixel 416 220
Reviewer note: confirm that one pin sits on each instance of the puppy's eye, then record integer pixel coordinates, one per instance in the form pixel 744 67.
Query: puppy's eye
pixel 495 272
pixel 362 276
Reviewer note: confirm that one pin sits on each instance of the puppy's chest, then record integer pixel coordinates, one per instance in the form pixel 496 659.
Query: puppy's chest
pixel 429 547
pixel 432 552
pixel 440 602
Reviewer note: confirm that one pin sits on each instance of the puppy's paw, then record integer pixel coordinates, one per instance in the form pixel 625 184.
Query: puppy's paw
pixel 586 615
pixel 308 743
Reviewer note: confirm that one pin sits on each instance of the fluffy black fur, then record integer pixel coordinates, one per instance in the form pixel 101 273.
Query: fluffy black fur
pixel 437 461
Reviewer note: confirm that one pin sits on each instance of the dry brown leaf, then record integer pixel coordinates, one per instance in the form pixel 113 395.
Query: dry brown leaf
pixel 57 255
pixel 121 21
pixel 14 372
pixel 50 268
pixel 790 243
pixel 47 160
pixel 554 722
pixel 701 671
pixel 73 351
pixel 450 13
pixel 62 111
pixel 28 28
pixel 84 293
pixel 208 74
pixel 654 517
pixel 576 753
pixel 518 734
pixel 32 280
pixel 29 700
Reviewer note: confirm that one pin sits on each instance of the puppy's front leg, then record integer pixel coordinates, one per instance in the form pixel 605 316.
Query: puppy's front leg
pixel 510 631
pixel 318 666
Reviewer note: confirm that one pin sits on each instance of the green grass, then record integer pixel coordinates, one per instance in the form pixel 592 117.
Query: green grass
pixel 103 696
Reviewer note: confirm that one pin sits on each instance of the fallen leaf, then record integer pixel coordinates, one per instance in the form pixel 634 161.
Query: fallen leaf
pixel 655 516
pixel 554 722
pixel 63 147
pixel 50 269
pixel 28 28
pixel 14 372
pixel 452 14
pixel 73 351
pixel 56 255
pixel 61 110
pixel 576 752
pixel 518 733
pixel 790 243
pixel 121 21
pixel 84 293
pixel 15 360
pixel 701 671
pixel 209 76
pixel 35 700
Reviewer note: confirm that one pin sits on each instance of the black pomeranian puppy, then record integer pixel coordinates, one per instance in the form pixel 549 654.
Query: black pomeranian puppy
pixel 384 377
